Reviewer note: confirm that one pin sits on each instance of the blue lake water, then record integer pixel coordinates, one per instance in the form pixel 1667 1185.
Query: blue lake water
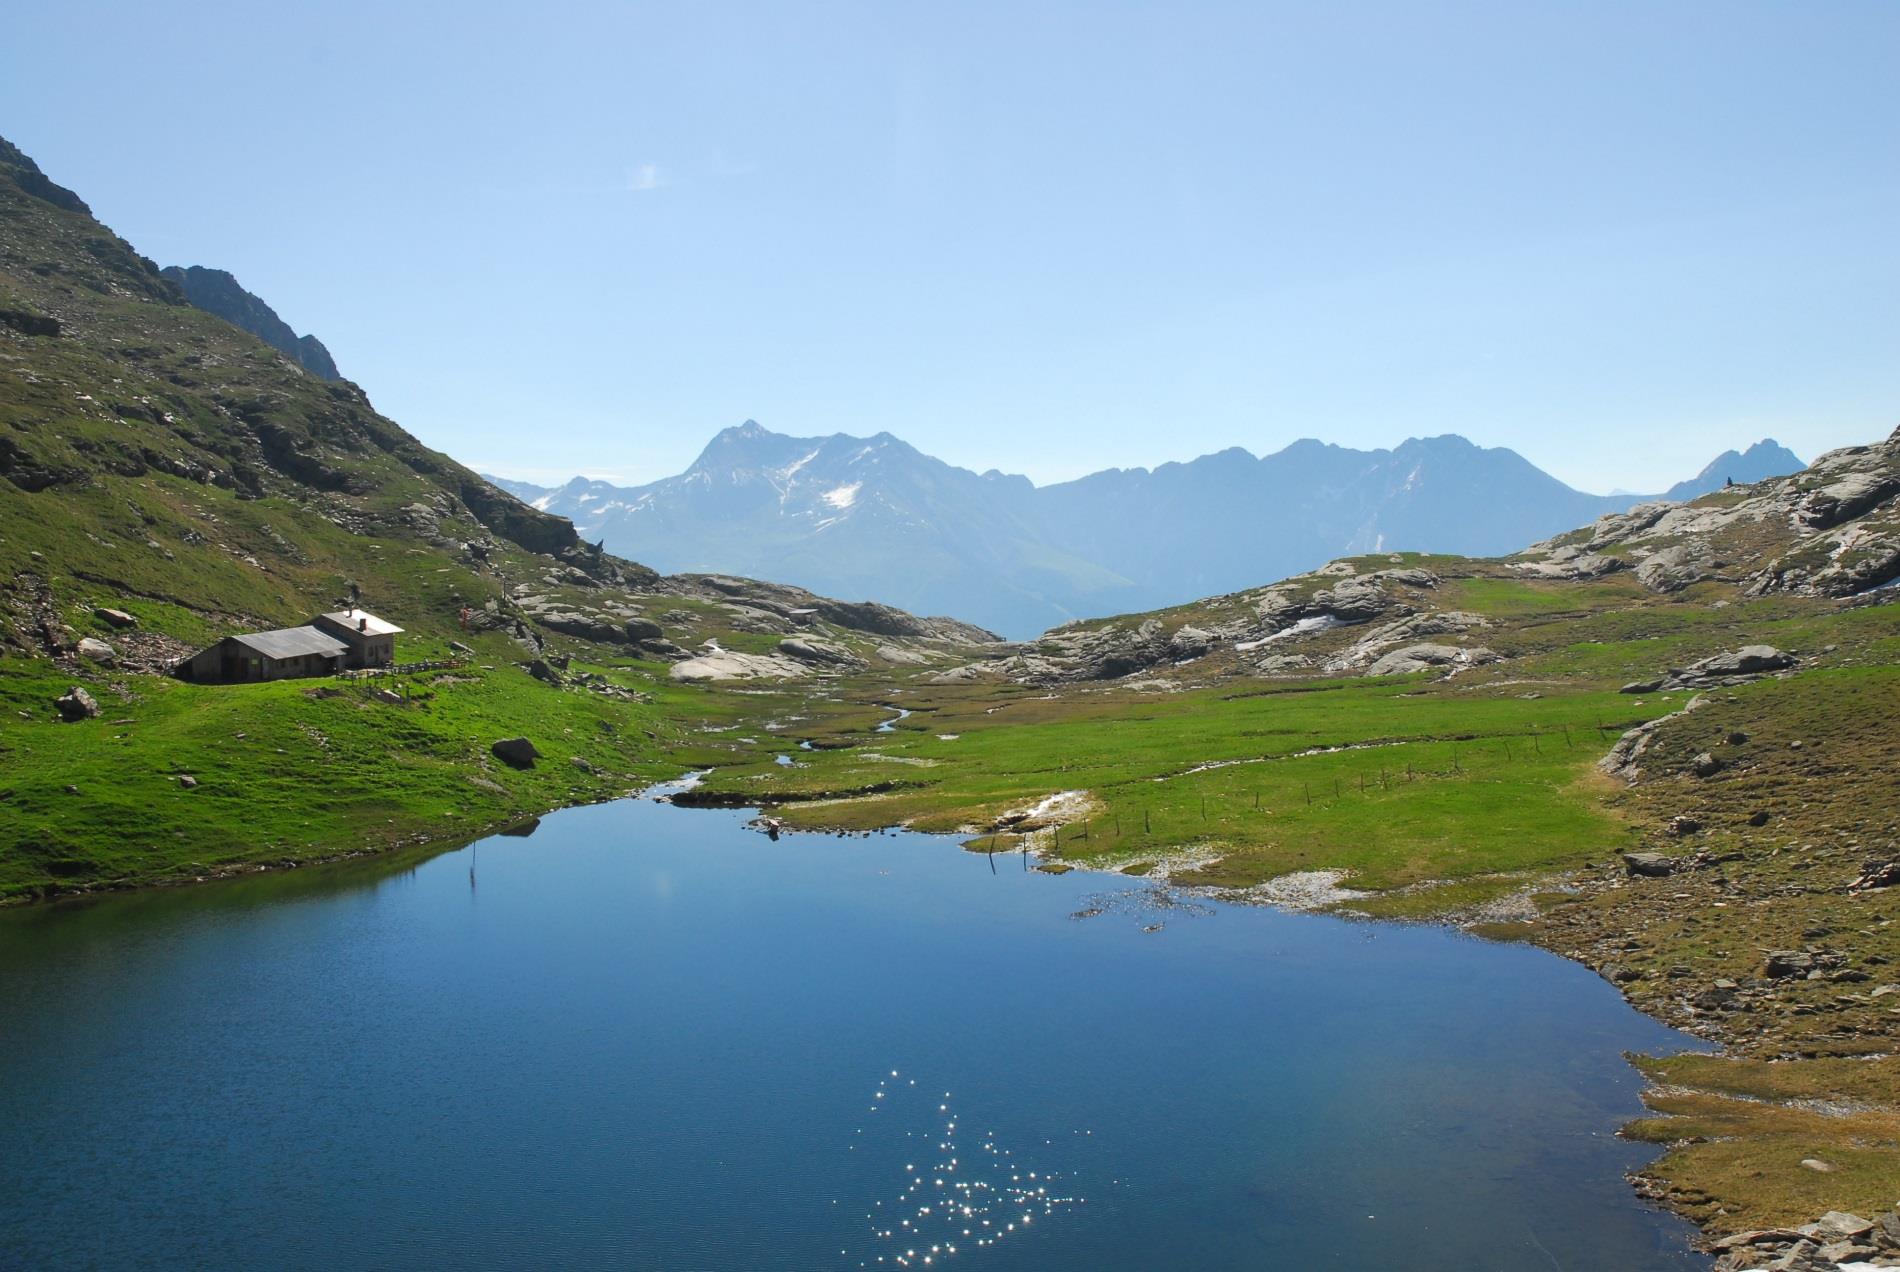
pixel 647 1037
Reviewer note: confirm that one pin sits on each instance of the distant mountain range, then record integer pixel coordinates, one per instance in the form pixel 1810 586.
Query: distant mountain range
pixel 1766 458
pixel 875 517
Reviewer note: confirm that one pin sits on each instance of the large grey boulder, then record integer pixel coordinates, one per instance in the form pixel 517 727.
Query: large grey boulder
pixel 96 650
pixel 76 704
pixel 1749 660
pixel 116 618
pixel 1789 964
pixel 1653 865
pixel 1352 600
pixel 1190 642
pixel 1675 567
pixel 821 652
pixel 643 629
pixel 726 664
pixel 1427 658
pixel 515 752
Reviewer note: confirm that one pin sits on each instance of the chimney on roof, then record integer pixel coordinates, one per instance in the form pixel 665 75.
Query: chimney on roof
pixel 362 624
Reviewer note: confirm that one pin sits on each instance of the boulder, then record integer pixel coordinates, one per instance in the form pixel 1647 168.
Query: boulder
pixel 729 665
pixel 1749 660
pixel 643 629
pixel 187 781
pixel 1705 765
pixel 822 653
pixel 1190 642
pixel 97 650
pixel 587 626
pixel 1877 874
pixel 388 695
pixel 1675 567
pixel 1353 600
pixel 1653 865
pixel 662 649
pixel 1427 658
pixel 515 752
pixel 115 618
pixel 540 670
pixel 456 646
pixel 1838 1225
pixel 76 704
pixel 1789 965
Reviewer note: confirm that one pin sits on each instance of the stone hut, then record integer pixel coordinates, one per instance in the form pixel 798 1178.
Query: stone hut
pixel 343 640
pixel 284 654
pixel 372 640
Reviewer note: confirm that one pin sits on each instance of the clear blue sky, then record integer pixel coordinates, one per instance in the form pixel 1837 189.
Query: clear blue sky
pixel 1044 237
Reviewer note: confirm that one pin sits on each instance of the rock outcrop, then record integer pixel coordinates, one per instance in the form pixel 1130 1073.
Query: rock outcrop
pixel 725 664
pixel 1429 658
pixel 1832 529
pixel 515 752
pixel 216 291
pixel 1751 662
pixel 76 704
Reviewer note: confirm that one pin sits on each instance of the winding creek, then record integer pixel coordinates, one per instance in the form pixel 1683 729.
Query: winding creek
pixel 649 1037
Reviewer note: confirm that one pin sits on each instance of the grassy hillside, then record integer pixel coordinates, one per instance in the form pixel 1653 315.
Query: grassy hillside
pixel 160 462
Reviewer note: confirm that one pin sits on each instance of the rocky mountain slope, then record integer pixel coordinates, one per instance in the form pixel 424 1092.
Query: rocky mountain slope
pixel 143 424
pixel 216 292
pixel 167 478
pixel 876 517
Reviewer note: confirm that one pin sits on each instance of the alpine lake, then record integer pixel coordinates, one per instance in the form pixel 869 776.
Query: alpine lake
pixel 652 1037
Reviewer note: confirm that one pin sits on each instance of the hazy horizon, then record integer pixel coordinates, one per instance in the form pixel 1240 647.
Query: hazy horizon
pixel 556 477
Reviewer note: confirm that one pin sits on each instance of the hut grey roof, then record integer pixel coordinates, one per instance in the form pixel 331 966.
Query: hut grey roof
pixel 293 642
pixel 370 624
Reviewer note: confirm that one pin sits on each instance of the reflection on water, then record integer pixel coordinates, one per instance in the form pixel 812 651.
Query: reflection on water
pixel 953 1197
pixel 655 1039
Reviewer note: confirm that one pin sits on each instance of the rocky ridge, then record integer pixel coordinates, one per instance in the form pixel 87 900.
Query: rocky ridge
pixel 1832 529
